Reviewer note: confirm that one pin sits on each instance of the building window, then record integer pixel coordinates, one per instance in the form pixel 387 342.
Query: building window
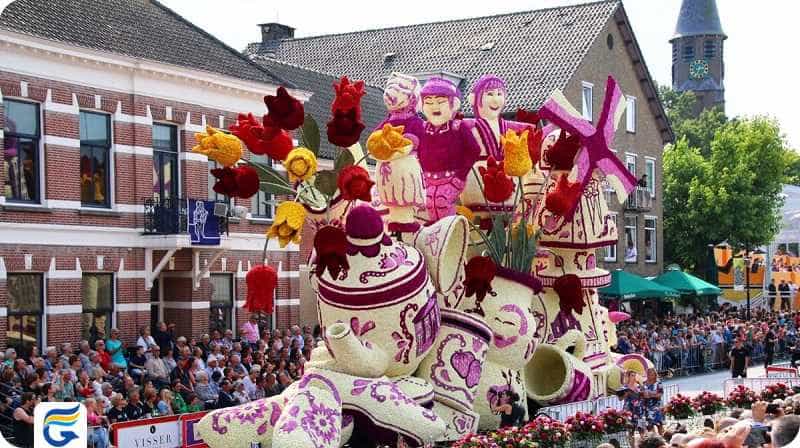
pixel 630 114
pixel 631 254
pixel 221 317
pixel 25 304
pixel 630 163
pixel 98 305
pixel 165 161
pixel 611 251
pixel 95 158
pixel 587 97
pixel 674 52
pixel 709 49
pixel 650 171
pixel 21 151
pixel 262 206
pixel 688 52
pixel 650 240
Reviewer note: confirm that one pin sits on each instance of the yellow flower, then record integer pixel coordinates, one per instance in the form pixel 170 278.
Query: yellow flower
pixel 384 143
pixel 224 148
pixel 301 164
pixel 288 223
pixel 515 231
pixel 465 212
pixel 516 158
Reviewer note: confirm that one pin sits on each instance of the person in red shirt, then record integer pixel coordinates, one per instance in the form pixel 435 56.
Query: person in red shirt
pixel 102 354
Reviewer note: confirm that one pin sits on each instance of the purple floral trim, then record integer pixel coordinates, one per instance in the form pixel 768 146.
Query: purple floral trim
pixel 406 340
pixel 393 392
pixel 389 263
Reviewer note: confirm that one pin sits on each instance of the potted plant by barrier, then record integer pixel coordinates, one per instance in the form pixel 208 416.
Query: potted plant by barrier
pixel 616 424
pixel 708 403
pixel 777 391
pixel 585 429
pixel 680 408
pixel 741 397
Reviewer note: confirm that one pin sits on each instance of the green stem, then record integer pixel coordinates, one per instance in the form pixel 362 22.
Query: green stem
pixel 492 249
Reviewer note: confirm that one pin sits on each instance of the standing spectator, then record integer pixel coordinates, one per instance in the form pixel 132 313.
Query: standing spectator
pixel 23 420
pixel 652 392
pixel 249 331
pixel 769 346
pixel 772 293
pixel 740 359
pixel 116 348
pixel 784 290
pixel 163 337
pixel 632 400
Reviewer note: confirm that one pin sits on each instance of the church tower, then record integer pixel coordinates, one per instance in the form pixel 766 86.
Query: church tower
pixel 697 57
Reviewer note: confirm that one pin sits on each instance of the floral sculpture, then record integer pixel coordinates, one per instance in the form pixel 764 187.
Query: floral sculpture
pixel 708 403
pixel 776 391
pixel 741 397
pixel 680 407
pixel 431 314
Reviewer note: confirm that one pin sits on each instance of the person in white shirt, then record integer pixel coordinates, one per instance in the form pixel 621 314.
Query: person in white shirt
pixel 145 339
pixel 250 381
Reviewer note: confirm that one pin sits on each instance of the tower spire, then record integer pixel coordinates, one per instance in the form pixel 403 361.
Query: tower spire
pixel 697 18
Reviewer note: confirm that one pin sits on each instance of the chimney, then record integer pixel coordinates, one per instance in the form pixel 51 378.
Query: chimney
pixel 275 31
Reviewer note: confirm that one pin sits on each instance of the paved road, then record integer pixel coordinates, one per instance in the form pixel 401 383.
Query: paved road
pixel 712 382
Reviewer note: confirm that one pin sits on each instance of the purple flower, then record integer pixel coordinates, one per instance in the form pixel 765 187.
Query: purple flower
pixel 321 422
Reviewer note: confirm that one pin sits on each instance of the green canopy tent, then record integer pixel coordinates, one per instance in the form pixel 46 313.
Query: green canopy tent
pixel 627 286
pixel 687 284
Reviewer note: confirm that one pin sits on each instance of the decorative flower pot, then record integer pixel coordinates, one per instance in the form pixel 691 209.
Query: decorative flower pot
pixel 456 363
pixel 506 310
pixel 457 423
pixel 553 376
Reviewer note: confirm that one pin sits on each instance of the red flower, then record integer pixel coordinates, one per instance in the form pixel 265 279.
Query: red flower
pixel 345 128
pixel 563 199
pixel 354 183
pixel 535 139
pixel 497 186
pixel 330 245
pixel 261 283
pixel 226 181
pixel 284 110
pixel 523 116
pixel 241 181
pixel 348 96
pixel 247 181
pixel 570 293
pixel 561 156
pixel 261 139
pixel 478 275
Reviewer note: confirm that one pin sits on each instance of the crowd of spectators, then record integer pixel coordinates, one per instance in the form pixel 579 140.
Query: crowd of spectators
pixel 161 374
pixel 766 425
pixel 693 343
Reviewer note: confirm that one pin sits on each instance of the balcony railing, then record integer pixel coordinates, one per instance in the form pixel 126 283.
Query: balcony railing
pixel 169 216
pixel 639 199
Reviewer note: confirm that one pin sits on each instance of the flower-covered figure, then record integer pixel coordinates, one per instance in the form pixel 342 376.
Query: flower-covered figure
pixel 447 147
pixel 394 145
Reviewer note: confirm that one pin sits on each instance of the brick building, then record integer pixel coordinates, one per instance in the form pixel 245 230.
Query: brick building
pixel 100 103
pixel 572 48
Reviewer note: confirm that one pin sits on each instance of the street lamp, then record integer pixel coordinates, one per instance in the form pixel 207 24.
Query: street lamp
pixel 747 277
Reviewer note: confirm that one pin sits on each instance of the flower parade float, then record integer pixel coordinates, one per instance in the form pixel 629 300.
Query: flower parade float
pixel 463 268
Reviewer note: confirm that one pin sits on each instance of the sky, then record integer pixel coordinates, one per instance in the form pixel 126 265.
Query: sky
pixel 760 61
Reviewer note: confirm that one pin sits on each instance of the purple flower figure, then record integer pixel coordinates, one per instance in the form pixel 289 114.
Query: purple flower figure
pixel 321 423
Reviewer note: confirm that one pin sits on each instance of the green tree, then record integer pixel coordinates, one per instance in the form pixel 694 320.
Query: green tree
pixel 698 130
pixel 731 192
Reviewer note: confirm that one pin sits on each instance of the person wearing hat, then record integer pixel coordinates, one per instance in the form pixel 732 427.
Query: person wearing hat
pixel 239 394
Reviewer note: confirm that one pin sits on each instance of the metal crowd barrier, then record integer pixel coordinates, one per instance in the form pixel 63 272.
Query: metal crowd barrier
pixel 562 412
pixel 704 358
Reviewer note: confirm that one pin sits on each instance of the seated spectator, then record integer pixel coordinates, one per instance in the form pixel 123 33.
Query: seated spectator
pixel 118 411
pixel 204 391
pixel 226 398
pixel 165 402
pixel 146 340
pixel 136 364
pixel 23 420
pixel 97 432
pixel 239 394
pixel 135 409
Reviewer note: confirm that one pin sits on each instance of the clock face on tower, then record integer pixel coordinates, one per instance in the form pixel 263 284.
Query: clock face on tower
pixel 698 69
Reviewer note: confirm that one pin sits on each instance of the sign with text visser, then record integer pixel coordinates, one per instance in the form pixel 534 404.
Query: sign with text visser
pixel 160 432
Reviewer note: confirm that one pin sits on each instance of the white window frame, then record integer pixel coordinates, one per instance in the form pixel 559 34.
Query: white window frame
pixel 42 181
pixel 607 256
pixel 651 177
pixel 635 237
pixel 587 108
pixel 630 158
pixel 630 114
pixel 112 160
pixel 654 240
